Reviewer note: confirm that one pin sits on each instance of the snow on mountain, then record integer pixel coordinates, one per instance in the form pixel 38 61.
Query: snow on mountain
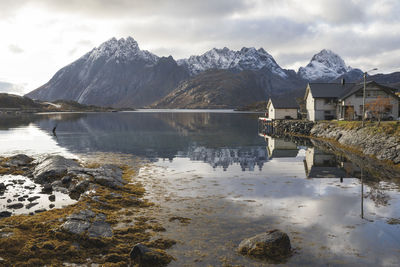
pixel 122 49
pixel 326 65
pixel 245 59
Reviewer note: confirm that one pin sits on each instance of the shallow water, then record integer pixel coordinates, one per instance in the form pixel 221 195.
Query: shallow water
pixel 215 169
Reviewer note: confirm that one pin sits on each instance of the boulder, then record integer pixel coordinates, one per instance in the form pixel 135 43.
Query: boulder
pixel 108 175
pixel 18 160
pixel 148 257
pixel 4 214
pixel 53 168
pixel 273 245
pixel 86 221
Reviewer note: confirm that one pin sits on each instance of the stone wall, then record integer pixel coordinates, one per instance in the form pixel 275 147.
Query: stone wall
pixel 372 143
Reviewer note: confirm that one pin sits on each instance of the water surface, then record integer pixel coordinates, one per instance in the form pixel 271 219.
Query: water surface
pixel 215 168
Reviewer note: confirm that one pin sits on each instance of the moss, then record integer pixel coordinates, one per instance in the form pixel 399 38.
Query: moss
pixel 37 240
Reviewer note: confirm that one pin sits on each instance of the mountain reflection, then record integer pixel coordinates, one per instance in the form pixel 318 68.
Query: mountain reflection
pixel 247 158
pixel 220 139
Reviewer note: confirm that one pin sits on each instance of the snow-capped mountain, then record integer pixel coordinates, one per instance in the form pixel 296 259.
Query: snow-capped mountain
pixel 244 59
pixel 325 66
pixel 117 73
pixel 122 49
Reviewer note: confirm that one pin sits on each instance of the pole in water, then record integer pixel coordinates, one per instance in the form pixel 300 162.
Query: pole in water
pixel 54 130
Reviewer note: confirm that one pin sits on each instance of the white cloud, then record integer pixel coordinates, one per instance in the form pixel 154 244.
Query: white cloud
pixel 45 35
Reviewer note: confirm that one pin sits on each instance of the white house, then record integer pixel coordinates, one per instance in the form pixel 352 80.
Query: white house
pixel 327 101
pixel 321 99
pixel 279 109
pixel 350 104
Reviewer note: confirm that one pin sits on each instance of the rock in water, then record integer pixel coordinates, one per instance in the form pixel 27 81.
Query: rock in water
pixel 52 168
pixel 148 257
pixel 18 160
pixel 273 245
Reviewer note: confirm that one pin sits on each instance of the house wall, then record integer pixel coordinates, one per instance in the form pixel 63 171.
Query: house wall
pixel 310 107
pixel 280 114
pixel 271 112
pixel 356 100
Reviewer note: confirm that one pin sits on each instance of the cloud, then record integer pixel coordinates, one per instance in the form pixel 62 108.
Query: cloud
pixel 15 49
pixel 364 32
pixel 146 8
pixel 10 88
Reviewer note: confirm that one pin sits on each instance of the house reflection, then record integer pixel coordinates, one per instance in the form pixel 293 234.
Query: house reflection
pixel 319 164
pixel 280 148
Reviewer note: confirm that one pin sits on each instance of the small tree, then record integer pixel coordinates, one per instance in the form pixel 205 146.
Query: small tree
pixel 378 107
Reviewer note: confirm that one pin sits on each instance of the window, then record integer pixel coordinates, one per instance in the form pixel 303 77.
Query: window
pixel 327 112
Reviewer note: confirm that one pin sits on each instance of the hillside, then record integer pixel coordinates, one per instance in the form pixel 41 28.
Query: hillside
pixel 15 101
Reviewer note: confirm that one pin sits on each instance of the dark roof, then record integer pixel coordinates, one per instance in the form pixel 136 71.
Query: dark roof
pixel 359 86
pixel 329 90
pixel 284 103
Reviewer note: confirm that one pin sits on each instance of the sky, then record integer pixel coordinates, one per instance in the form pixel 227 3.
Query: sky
pixel 41 36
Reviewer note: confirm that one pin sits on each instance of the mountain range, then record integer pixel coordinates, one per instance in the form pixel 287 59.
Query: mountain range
pixel 119 74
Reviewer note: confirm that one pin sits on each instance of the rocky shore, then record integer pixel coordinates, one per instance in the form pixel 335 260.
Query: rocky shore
pixel 102 226
pixel 380 142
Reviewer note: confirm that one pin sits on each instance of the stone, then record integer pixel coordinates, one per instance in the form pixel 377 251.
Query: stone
pixel 80 187
pixel 52 198
pixel 146 257
pixel 40 210
pixel 100 229
pixel 4 214
pixel 30 187
pixel 51 206
pixel 30 205
pixel 2 187
pixel 47 189
pixel 75 226
pixel 18 160
pixel 66 179
pixel 87 220
pixel 30 199
pixel 273 245
pixel 15 206
pixel 109 175
pixel 53 168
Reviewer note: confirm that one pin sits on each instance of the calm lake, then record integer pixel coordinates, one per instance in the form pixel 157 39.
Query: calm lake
pixel 232 182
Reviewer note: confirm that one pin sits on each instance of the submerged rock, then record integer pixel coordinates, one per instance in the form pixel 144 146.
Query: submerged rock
pixel 146 257
pixel 30 205
pixel 15 206
pixel 273 245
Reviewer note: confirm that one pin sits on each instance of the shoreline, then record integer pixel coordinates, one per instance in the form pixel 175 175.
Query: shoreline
pixel 102 227
pixel 371 141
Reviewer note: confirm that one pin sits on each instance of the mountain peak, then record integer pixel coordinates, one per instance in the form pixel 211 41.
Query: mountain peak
pixel 247 58
pixel 122 49
pixel 325 65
